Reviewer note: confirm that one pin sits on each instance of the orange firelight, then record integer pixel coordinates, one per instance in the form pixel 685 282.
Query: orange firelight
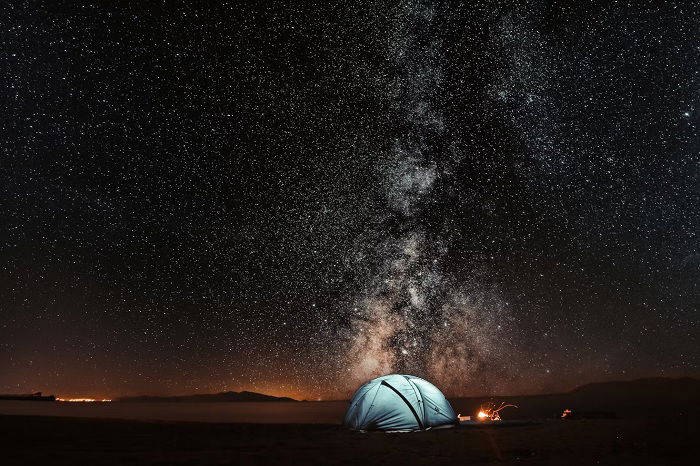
pixel 490 412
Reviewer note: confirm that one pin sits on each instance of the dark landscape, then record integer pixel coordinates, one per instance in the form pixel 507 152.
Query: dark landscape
pixel 663 440
pixel 648 421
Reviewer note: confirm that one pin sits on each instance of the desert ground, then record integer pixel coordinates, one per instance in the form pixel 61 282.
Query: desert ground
pixel 43 440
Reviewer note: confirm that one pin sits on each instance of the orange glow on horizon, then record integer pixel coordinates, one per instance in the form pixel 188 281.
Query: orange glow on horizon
pixel 295 393
pixel 84 400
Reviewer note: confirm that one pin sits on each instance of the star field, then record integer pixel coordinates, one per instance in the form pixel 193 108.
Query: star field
pixel 292 199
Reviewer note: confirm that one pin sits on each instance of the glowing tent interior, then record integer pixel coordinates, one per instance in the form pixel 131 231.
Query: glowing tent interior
pixel 398 402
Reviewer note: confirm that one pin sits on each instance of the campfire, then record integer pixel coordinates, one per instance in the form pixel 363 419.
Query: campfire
pixel 491 412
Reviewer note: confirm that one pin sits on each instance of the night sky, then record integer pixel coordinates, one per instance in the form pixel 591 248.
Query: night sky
pixel 292 198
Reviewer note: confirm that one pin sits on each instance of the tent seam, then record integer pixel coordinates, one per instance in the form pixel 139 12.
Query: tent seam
pixel 439 411
pixel 370 406
pixel 420 397
pixel 415 414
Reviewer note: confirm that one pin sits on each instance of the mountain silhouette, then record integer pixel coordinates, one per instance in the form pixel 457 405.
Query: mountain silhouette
pixel 211 397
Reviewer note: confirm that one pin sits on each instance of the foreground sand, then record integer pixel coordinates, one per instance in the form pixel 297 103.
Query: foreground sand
pixel 60 440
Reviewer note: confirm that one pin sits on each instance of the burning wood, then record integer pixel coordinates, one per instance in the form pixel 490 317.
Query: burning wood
pixel 490 412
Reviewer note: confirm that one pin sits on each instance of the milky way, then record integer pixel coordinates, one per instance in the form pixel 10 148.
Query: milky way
pixel 292 198
pixel 413 318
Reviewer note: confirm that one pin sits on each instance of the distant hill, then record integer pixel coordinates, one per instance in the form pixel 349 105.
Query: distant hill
pixel 653 387
pixel 213 397
pixel 634 398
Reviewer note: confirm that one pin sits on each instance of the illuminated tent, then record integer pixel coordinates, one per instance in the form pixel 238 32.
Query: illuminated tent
pixel 398 402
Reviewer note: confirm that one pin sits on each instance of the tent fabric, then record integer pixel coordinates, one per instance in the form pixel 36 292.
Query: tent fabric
pixel 398 402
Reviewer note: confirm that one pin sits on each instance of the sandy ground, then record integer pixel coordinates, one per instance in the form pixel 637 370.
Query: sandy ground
pixel 60 440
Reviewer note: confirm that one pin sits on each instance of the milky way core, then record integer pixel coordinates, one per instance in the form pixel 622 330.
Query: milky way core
pixel 415 318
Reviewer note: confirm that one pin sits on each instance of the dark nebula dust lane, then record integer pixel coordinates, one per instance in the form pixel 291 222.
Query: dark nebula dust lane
pixel 502 197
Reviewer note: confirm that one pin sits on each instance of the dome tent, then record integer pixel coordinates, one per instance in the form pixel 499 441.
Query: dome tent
pixel 398 402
